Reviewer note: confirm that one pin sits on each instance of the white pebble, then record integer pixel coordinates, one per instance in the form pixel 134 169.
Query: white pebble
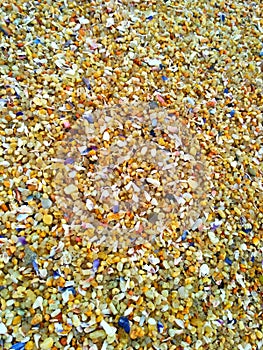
pixel 187 196
pixel 110 22
pixel 183 293
pixel 153 181
pixel 147 196
pixel 151 321
pixel 119 266
pixel 213 237
pixel 197 224
pixel 75 321
pixel 3 329
pixel 154 202
pixel 144 150
pixel 204 270
pixel 193 184
pixel 38 303
pixel 109 330
pixel 179 322
pixel 153 61
pixel 89 204
pixel 106 136
pixel 70 189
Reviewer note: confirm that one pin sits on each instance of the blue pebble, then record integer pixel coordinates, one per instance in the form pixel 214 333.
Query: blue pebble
pixel 232 113
pixel 222 17
pixel 184 235
pixel 89 118
pixel 56 274
pixel 154 122
pixel 37 41
pixel 228 261
pixel 164 78
pixel 149 18
pixel 69 161
pixel 35 266
pixel 116 208
pixel 124 323
pixel 95 265
pixel 160 327
pixel 152 133
pixel 226 91
pixel 246 230
pixel 70 289
pixel 18 346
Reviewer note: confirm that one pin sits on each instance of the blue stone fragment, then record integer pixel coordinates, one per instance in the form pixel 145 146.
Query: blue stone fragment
pixel 124 323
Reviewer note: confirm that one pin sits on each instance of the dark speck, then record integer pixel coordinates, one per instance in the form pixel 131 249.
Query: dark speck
pixel 246 230
pixel 152 133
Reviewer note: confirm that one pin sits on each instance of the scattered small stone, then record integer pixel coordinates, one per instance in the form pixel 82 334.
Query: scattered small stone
pixel 47 344
pixel 48 219
pixel 131 175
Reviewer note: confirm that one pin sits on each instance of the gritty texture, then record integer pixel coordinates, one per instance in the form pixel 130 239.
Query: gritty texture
pixel 200 289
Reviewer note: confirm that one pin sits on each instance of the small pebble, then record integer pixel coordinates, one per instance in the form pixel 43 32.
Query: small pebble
pixel 36 319
pixel 3 329
pixel 131 175
pixel 48 219
pixel 47 344
pixel 46 203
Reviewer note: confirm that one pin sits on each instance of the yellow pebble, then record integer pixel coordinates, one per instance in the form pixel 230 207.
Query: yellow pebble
pixel 255 240
pixel 237 211
pixel 36 319
pixel 16 320
pixel 47 344
pixel 161 141
pixel 47 219
pixel 222 214
pixel 29 345
pixel 259 334
pixel 99 318
pixel 49 282
pixel 61 282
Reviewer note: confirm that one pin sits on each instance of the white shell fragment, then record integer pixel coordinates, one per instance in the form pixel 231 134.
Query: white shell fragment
pixel 3 329
pixel 109 330
pixel 38 303
pixel 153 62
pixel 89 204
pixel 204 270
pixel 110 22
pixel 153 181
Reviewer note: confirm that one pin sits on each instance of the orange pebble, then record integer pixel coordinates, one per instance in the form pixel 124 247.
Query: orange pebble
pixel 4 207
pixel 255 240
pixel 63 341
